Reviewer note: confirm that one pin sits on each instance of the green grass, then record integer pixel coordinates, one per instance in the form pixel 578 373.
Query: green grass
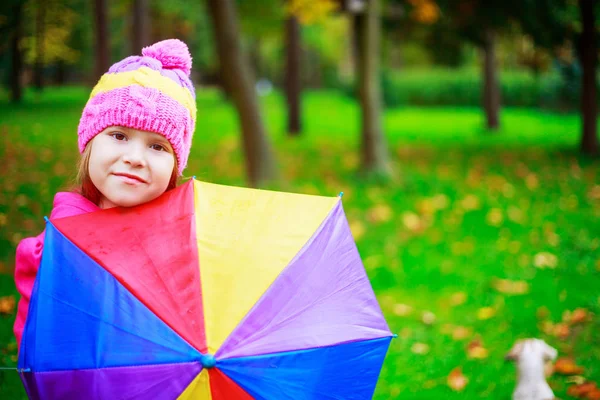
pixel 466 207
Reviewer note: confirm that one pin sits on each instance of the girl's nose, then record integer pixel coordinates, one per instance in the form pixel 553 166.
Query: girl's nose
pixel 134 155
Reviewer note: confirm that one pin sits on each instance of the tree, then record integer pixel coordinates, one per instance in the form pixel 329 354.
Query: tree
pixel 38 68
pixel 588 53
pixel 260 164
pixel 102 39
pixel 293 84
pixel 559 23
pixel 141 25
pixel 480 22
pixel 367 25
pixel 16 54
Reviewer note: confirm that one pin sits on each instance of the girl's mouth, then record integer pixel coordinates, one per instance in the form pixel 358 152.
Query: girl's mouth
pixel 130 179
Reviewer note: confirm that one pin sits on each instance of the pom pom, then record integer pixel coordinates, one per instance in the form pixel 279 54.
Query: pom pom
pixel 172 54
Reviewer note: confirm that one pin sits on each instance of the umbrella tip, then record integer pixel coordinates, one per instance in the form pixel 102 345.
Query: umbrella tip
pixel 194 177
pixel 341 194
pixel 208 360
pixel 46 219
pixel 395 335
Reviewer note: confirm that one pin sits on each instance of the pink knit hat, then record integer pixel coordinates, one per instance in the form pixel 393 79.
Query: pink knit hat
pixel 152 92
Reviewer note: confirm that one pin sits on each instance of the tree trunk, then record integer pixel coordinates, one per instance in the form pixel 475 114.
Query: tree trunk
pixel 38 67
pixel 16 67
pixel 373 144
pixel 491 87
pixel 102 40
pixel 140 26
pixel 587 56
pixel 292 74
pixel 260 164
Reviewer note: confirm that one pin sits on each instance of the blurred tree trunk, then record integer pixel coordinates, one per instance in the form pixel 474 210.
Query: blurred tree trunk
pixel 38 67
pixel 588 59
pixel 491 88
pixel 260 164
pixel 140 26
pixel 61 72
pixel 102 39
pixel 368 35
pixel 292 74
pixel 16 67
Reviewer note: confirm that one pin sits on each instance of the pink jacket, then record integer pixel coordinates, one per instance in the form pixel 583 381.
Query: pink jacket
pixel 29 253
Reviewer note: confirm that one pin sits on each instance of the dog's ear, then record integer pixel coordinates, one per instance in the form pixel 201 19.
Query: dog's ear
pixel 515 352
pixel 550 352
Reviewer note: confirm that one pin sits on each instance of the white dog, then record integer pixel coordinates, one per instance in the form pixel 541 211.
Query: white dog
pixel 530 356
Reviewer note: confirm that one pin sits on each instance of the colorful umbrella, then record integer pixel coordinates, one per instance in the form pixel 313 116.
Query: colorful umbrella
pixel 208 292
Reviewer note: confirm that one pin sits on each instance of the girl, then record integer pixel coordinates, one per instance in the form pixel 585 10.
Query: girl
pixel 135 135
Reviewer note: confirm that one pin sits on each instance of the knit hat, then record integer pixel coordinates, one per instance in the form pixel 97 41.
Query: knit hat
pixel 152 92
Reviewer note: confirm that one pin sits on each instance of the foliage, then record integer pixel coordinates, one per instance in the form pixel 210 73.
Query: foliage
pixel 58 25
pixel 484 239
pixel 556 90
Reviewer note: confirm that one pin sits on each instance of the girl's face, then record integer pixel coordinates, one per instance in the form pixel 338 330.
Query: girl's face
pixel 130 167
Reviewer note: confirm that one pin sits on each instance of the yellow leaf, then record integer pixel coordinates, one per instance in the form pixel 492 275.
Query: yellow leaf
pixel 531 181
pixel 428 318
pixel 506 286
pixel 476 350
pixel 470 202
pixel 379 213
pixel 485 313
pixel 411 221
pixel 545 260
pixel 495 217
pixel 402 310
pixel 420 348
pixel 458 298
pixel 460 333
pixel 357 228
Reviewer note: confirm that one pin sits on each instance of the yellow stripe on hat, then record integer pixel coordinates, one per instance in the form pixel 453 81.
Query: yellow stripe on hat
pixel 147 77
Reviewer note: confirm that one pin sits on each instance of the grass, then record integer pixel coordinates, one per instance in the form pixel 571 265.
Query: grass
pixel 469 217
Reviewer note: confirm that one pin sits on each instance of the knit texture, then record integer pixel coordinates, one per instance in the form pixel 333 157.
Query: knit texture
pixel 152 92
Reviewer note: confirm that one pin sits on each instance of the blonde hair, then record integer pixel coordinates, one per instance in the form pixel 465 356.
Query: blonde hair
pixel 84 185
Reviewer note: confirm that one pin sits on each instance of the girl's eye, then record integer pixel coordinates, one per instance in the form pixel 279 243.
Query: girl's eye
pixel 118 136
pixel 158 147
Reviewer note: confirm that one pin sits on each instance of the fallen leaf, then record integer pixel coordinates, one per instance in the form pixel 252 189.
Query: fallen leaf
pixel 579 316
pixel 7 305
pixel 581 390
pixel 485 313
pixel 562 330
pixel 456 380
pixel 420 348
pixel 506 286
pixel 411 221
pixel 476 350
pixel 567 366
pixel 379 213
pixel 461 332
pixel 402 310
pixel 458 298
pixel 470 202
pixel 545 260
pixel 495 217
pixel 357 228
pixel 531 181
pixel 594 395
pixel 428 318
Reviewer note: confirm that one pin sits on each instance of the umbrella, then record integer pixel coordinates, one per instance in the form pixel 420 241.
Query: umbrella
pixel 208 292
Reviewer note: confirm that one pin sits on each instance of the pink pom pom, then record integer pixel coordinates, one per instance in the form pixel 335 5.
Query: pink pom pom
pixel 172 53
